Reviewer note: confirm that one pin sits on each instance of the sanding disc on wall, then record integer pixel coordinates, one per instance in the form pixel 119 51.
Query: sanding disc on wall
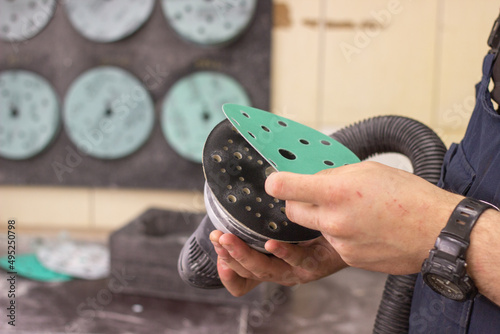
pixel 192 107
pixel 23 19
pixel 110 20
pixel 29 114
pixel 108 113
pixel 209 22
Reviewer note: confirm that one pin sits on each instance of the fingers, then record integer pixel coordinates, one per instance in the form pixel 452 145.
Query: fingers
pixel 244 260
pixel 297 187
pixel 249 263
pixel 234 283
pixel 235 254
pixel 305 214
pixel 294 255
pixel 226 257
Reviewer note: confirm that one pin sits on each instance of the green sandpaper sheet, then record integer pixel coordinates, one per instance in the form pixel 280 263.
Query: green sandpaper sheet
pixel 288 145
pixel 27 265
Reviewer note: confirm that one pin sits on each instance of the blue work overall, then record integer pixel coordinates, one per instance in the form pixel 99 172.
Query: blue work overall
pixel 471 168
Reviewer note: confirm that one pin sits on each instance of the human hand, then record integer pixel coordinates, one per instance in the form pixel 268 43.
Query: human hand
pixel 376 217
pixel 242 268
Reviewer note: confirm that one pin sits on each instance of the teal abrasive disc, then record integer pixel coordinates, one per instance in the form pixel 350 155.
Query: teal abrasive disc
pixel 27 265
pixel 209 22
pixel 110 20
pixel 192 107
pixel 29 114
pixel 23 19
pixel 108 113
pixel 288 145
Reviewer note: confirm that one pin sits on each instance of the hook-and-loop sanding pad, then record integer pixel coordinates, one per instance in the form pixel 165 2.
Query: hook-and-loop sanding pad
pixel 237 160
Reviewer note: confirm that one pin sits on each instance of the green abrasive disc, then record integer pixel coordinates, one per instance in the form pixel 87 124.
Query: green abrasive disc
pixel 21 20
pixel 209 23
pixel 108 21
pixel 27 265
pixel 108 113
pixel 191 109
pixel 288 145
pixel 29 114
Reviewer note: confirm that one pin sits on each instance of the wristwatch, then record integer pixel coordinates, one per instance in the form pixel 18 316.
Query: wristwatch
pixel 445 269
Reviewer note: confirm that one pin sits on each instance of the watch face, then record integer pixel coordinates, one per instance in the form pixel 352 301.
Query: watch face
pixel 110 20
pixel 209 22
pixel 23 19
pixel 192 108
pixel 444 287
pixel 29 114
pixel 108 113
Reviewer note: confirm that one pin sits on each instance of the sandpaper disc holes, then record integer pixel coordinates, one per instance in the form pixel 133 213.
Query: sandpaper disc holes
pixel 244 192
pixel 236 174
pixel 286 144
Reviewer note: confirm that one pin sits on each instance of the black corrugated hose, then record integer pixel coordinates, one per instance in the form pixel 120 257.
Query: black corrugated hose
pixel 425 150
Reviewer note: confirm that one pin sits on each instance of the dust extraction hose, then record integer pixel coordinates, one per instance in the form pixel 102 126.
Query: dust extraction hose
pixel 426 151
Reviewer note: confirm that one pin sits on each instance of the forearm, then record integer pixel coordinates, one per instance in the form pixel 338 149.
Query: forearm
pixel 483 255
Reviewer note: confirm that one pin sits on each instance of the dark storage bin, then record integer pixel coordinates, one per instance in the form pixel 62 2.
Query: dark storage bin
pixel 148 248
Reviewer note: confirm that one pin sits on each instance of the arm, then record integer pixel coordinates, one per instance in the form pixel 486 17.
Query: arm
pixel 383 219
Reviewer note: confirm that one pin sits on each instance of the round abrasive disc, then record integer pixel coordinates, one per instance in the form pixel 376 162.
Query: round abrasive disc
pixel 236 174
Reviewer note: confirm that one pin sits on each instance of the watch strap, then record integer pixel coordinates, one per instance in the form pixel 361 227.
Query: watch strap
pixel 464 217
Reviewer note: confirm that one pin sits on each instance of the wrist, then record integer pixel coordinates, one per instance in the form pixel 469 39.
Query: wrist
pixel 479 258
pixel 446 269
pixel 440 217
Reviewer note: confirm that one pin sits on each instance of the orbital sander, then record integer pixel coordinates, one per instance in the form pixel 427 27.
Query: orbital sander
pixel 238 155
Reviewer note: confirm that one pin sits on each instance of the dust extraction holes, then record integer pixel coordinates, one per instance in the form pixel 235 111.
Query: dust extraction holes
pixel 265 128
pixel 328 163
pixel 217 158
pixel 287 154
pixel 231 198
pixel 269 170
pixel 238 155
pixel 245 114
pixel 273 226
pixel 251 134
pixel 325 142
pixel 303 141
pixel 283 124
pixel 246 191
